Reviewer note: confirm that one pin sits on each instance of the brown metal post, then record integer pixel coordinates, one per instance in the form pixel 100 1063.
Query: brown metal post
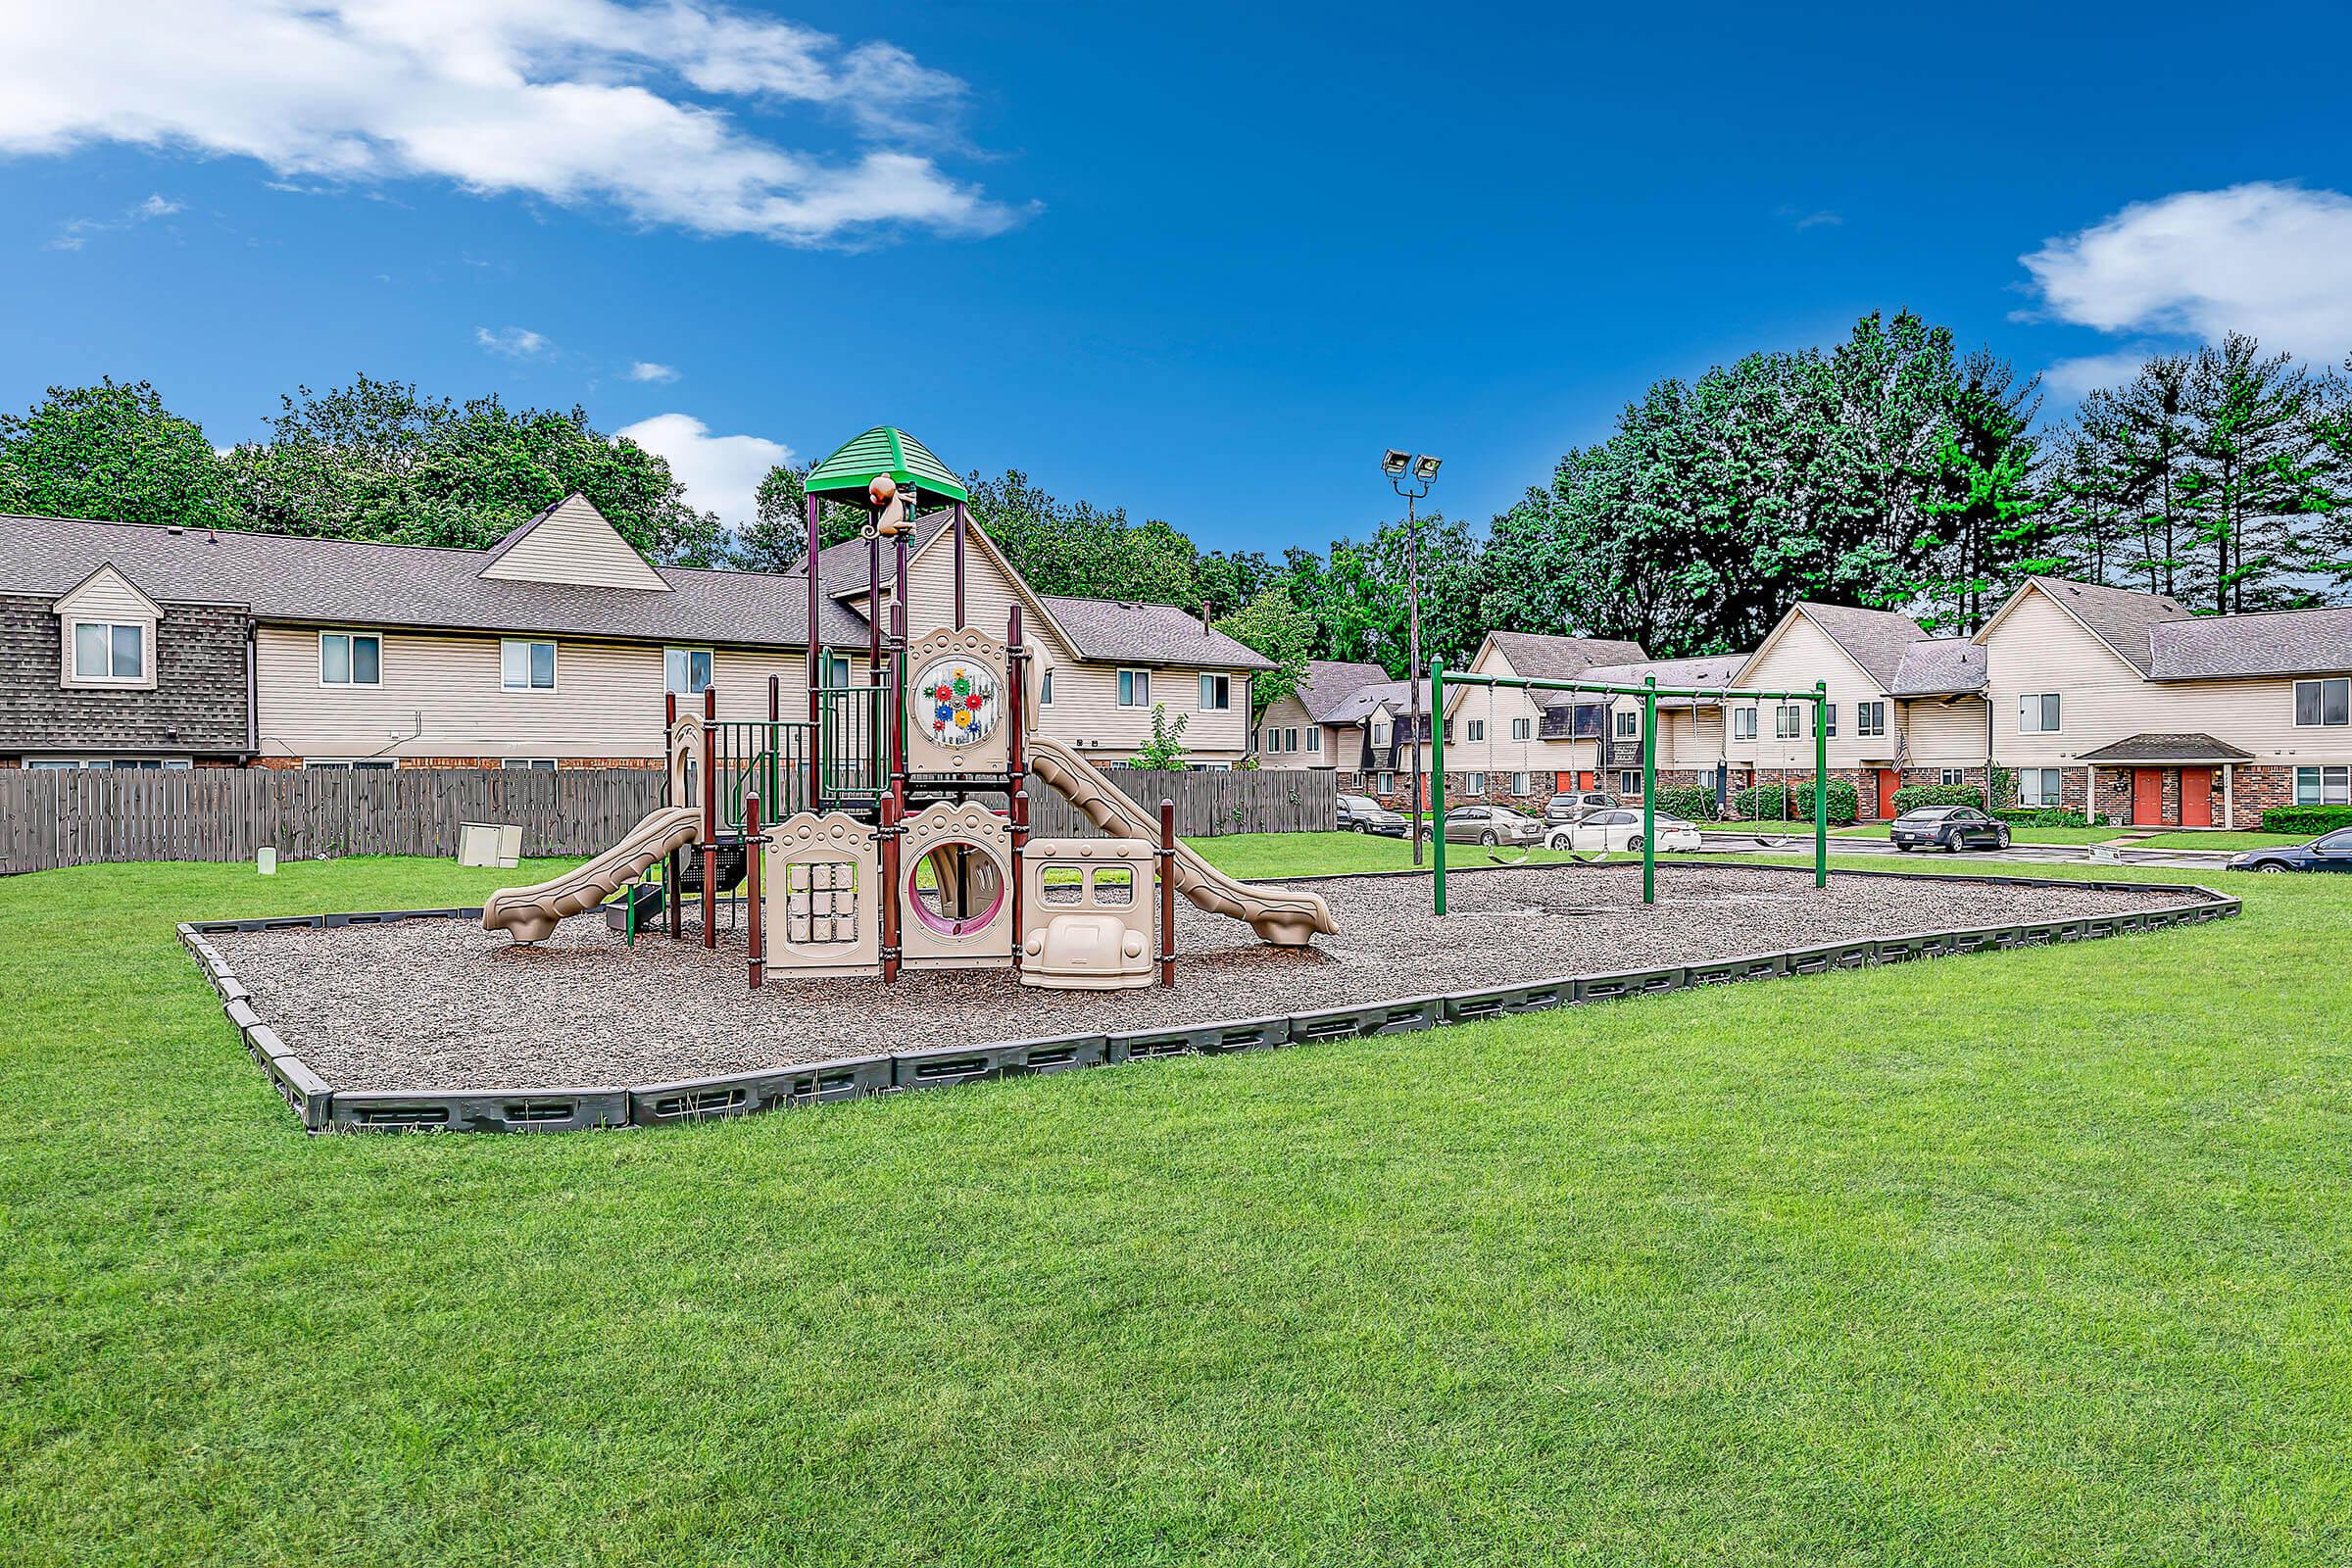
pixel 816 652
pixel 962 523
pixel 894 802
pixel 709 816
pixel 758 938
pixel 1168 892
pixel 1016 765
pixel 775 697
pixel 674 867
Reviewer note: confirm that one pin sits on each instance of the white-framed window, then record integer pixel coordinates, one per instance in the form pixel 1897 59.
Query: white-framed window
pixel 1629 723
pixel 2038 713
pixel 1388 783
pixel 1629 782
pixel 1870 718
pixel 1045 690
pixel 1314 737
pixel 1785 721
pixel 1828 719
pixel 2324 786
pixel 349 764
pixel 1478 729
pixel 1522 784
pixel 1522 728
pixel 108 764
pixel 1743 723
pixel 2323 703
pixel 1474 783
pixel 1380 732
pixel 1134 688
pixel 110 653
pixel 686 671
pixel 526 664
pixel 2040 786
pixel 1954 778
pixel 1290 740
pixel 530 764
pixel 349 659
pixel 1216 693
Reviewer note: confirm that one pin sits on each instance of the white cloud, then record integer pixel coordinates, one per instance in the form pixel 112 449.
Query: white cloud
pixel 2265 259
pixel 2071 378
pixel 512 342
pixel 75 235
pixel 722 473
pixel 647 370
pixel 574 101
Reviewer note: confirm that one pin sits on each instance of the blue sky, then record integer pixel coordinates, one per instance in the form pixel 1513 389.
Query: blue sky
pixel 1202 263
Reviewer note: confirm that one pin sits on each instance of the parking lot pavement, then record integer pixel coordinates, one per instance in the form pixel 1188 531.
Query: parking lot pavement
pixel 1802 843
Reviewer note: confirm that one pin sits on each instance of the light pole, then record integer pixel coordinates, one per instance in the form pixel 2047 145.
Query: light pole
pixel 1423 472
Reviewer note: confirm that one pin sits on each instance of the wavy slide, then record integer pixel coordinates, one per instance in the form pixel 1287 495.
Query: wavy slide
pixel 1285 917
pixel 531 912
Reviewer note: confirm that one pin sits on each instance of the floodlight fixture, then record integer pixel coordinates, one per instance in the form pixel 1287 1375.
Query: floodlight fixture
pixel 1394 462
pixel 1425 467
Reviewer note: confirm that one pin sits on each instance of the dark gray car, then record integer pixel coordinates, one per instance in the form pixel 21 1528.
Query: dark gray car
pixel 2329 852
pixel 1360 814
pixel 1951 828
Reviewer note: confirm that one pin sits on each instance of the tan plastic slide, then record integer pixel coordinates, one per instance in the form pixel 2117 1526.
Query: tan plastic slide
pixel 1285 917
pixel 531 912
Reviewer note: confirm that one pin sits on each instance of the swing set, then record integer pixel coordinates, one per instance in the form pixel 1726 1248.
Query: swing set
pixel 1649 691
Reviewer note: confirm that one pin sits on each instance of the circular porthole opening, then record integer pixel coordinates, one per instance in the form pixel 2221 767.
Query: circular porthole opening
pixel 955 889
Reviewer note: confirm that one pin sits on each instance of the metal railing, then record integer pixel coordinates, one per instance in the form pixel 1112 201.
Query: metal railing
pixel 767 758
pixel 853 742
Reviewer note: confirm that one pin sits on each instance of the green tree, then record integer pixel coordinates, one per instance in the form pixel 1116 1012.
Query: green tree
pixel 112 452
pixel 777 537
pixel 2250 439
pixel 1273 624
pixel 1165 752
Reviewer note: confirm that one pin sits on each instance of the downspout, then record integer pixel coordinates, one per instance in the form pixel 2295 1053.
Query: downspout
pixel 253 698
pixel 1987 751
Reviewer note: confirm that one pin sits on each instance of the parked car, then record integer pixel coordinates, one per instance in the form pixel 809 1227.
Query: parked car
pixel 1360 814
pixel 1490 825
pixel 1619 832
pixel 2329 852
pixel 1950 828
pixel 1571 804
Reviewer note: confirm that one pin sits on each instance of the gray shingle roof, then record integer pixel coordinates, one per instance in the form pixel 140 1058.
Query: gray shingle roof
pixel 1394 695
pixel 1542 656
pixel 279 577
pixel 1939 667
pixel 1116 630
pixel 2278 642
pixel 841 568
pixel 1329 682
pixel 2120 616
pixel 1874 639
pixel 2191 749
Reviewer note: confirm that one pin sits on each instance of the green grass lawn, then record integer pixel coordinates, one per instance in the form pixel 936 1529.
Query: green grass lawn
pixel 2224 840
pixel 2037 1257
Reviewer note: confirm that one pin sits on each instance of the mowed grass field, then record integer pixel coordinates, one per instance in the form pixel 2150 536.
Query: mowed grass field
pixel 2034 1258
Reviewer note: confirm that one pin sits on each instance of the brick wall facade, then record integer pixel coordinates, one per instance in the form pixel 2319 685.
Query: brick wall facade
pixel 196 709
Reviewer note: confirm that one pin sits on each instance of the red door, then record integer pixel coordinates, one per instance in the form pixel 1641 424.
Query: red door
pixel 1584 780
pixel 1563 781
pixel 2197 798
pixel 2147 797
pixel 1888 781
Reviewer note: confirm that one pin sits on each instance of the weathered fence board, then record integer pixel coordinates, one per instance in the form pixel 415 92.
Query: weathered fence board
pixel 51 819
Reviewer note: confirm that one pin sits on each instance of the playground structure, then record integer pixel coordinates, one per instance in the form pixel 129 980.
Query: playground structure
pixel 861 829
pixel 1651 691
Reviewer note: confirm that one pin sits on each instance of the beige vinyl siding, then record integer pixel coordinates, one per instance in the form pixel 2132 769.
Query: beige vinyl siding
pixel 1688 741
pixel 1494 708
pixel 1799 654
pixel 1287 715
pixel 574 544
pixel 1086 713
pixel 2037 647
pixel 1939 733
pixel 107 596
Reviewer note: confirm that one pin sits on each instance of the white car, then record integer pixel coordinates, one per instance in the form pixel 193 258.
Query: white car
pixel 1619 832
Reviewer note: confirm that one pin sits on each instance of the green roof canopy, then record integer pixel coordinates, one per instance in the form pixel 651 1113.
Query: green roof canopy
pixel 885 449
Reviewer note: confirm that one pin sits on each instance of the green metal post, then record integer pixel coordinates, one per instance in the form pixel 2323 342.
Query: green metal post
pixel 1649 789
pixel 1821 784
pixel 1437 798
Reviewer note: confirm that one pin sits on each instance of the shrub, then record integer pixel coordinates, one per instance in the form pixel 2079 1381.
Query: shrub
pixel 1911 797
pixel 2306 818
pixel 2041 816
pixel 1691 801
pixel 1793 802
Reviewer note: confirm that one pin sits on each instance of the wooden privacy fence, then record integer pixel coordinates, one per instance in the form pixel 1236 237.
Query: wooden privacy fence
pixel 51 819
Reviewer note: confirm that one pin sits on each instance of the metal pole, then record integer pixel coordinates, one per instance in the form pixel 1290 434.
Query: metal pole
pixel 1016 769
pixel 673 792
pixel 1412 658
pixel 711 816
pixel 817 788
pixel 1821 785
pixel 1649 790
pixel 757 940
pixel 1436 805
pixel 1168 892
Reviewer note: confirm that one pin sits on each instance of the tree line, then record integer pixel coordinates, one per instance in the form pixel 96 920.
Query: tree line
pixel 1892 470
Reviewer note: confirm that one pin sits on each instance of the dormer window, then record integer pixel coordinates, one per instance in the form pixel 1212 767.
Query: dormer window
pixel 110 653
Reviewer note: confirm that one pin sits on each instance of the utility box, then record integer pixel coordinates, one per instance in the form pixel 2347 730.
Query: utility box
pixel 497 843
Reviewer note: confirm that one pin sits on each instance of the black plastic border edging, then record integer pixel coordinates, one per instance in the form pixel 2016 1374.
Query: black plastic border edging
pixel 578 1110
